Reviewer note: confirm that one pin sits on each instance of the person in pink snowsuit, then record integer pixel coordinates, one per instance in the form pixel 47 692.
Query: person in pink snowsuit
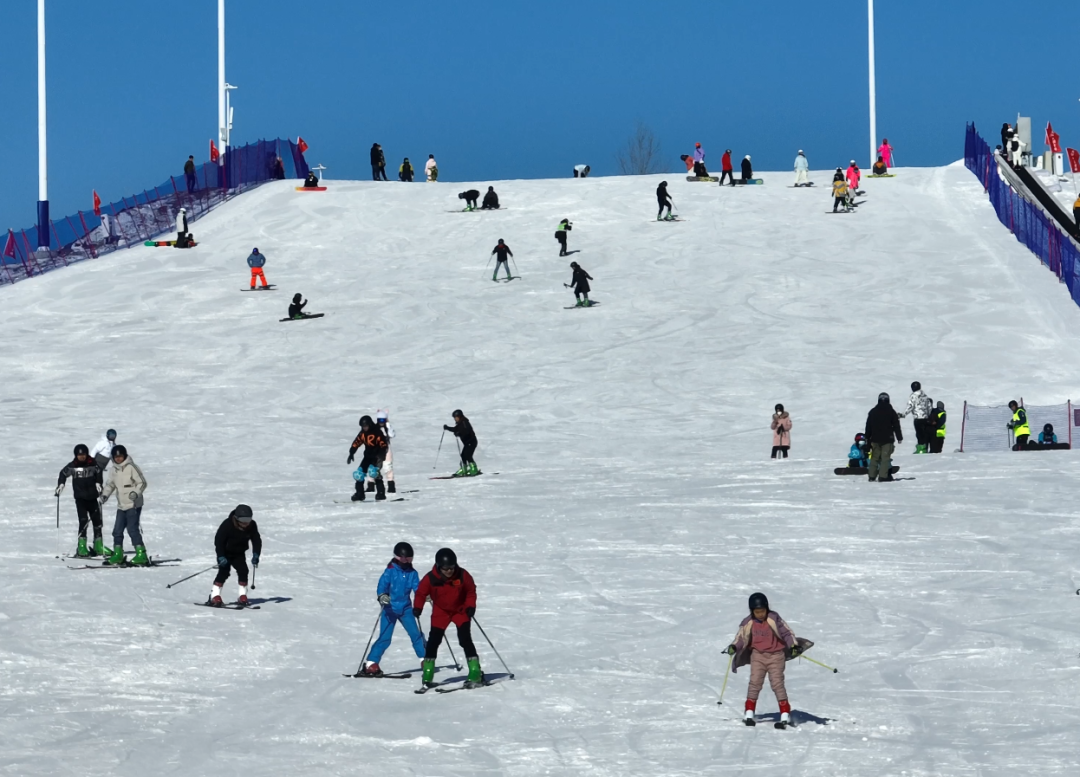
pixel 885 152
pixel 781 429
pixel 853 176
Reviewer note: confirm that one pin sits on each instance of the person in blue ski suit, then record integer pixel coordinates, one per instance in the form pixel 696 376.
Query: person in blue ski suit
pixel 859 455
pixel 397 582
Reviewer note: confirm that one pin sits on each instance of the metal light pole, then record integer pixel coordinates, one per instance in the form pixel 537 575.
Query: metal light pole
pixel 873 85
pixel 223 118
pixel 43 155
pixel 320 168
pixel 228 113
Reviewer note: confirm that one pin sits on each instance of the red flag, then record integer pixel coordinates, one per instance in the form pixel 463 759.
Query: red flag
pixel 300 144
pixel 1074 160
pixel 9 247
pixel 1049 132
pixel 1053 139
pixel 97 204
pixel 214 154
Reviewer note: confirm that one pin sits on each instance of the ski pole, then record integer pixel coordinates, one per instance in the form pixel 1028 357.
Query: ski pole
pixel 178 582
pixel 731 657
pixel 366 648
pixel 515 267
pixel 452 656
pixel 253 568
pixel 58 526
pixel 440 448
pixel 803 655
pixel 474 620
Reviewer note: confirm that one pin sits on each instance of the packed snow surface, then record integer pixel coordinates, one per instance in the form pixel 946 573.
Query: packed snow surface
pixel 634 507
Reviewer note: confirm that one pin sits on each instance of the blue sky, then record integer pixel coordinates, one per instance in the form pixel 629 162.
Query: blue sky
pixel 515 90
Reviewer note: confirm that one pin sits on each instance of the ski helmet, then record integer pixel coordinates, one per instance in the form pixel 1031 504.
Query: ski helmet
pixel 119 450
pixel 859 437
pixel 296 297
pixel 111 434
pixel 916 386
pixel 853 163
pixel 759 600
pixel 1048 428
pixel 779 408
pixel 457 414
pixel 82 449
pixel 254 250
pixel 445 558
pixel 365 420
pixel 1013 404
pixel 800 152
pixel 403 551
pixel 697 145
pixel 663 183
pixel 940 405
pixel 242 514
pixel 382 416
pixel 882 397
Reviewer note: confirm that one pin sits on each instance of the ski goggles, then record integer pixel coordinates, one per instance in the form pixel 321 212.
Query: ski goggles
pixel 403 559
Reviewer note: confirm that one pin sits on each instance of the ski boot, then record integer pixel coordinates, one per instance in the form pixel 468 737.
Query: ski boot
pixel 370 486
pixel 920 449
pixel 785 715
pixel 748 716
pixel 462 472
pixel 99 547
pixel 585 303
pixel 358 494
pixel 380 491
pixel 117 556
pixel 242 600
pixel 140 559
pixel 371 669
pixel 473 470
pixel 216 601
pixel 476 675
pixel 390 487
pixel 82 551
pixel 427 677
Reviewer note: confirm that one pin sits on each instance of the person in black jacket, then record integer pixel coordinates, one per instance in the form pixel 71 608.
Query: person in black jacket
pixel 463 431
pixel 470 198
pixel 663 199
pixel 491 200
pixel 882 432
pixel 580 284
pixel 189 174
pixel 296 309
pixel 378 162
pixel 231 544
pixel 86 484
pixel 501 252
pixel 375 446
pixel 747 169
pixel 312 181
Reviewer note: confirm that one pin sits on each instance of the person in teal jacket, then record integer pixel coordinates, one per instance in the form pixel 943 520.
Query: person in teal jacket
pixel 396 584
pixel 859 454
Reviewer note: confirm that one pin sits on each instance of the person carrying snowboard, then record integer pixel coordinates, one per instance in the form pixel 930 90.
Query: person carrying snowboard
pixel 699 162
pixel 491 200
pixel 256 261
pixel 431 169
pixel 382 420
pixel 501 252
pixel 405 172
pixel 129 483
pixel 560 235
pixel 470 198
pixel 781 429
pixel 840 192
pixel 230 546
pixel 802 170
pixel 1019 426
pixel 858 456
pixel 766 643
pixel 86 485
pixel 920 406
pixel 397 581
pixel 375 447
pixel 453 600
pixel 882 432
pixel 463 430
pixel 102 452
pixel 664 200
pixel 580 284
pixel 726 168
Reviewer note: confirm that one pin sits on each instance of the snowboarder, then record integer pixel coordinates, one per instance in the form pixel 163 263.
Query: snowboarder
pixel 312 181
pixel 726 168
pixel 853 175
pixel 405 172
pixel 1047 436
pixel 382 420
pixel 747 170
pixel 296 309
pixel 470 198
pixel 129 483
pixel 664 200
pixel 699 162
pixel 920 406
pixel 491 200
pixel 230 545
pixel 580 284
pixel 937 428
pixel 501 252
pixel 378 163
pixel 802 170
pixel 86 485
pixel 397 581
pixel 431 168
pixel 882 432
pixel 840 192
pixel 885 152
pixel 781 428
pixel 102 452
pixel 560 235
pixel 463 430
pixel 1019 426
pixel 255 262
pixel 858 455
pixel 879 168
pixel 766 643
pixel 453 600
pixel 375 448
pixel 184 239
pixel 189 175
pixel 581 171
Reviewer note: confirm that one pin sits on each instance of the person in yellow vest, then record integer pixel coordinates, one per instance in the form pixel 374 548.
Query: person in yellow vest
pixel 1019 425
pixel 1076 213
pixel 937 418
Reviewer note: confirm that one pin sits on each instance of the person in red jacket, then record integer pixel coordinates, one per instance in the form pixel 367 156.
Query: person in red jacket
pixel 725 165
pixel 453 600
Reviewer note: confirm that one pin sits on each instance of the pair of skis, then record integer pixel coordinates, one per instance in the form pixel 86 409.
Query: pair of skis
pixel 154 562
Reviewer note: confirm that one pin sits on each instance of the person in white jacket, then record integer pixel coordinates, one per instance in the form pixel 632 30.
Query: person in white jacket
pixel 127 481
pixel 920 406
pixel 183 237
pixel 431 169
pixel 382 420
pixel 802 170
pixel 102 452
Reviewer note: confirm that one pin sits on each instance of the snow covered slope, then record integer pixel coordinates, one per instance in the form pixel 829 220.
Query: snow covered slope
pixel 635 507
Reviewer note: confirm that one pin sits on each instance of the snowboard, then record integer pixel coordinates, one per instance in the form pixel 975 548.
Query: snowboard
pixel 368 499
pixel 459 477
pixel 861 470
pixel 311 188
pixel 306 315
pixel 269 287
pixel 802 185
pixel 164 243
pixel 707 178
pixel 592 304
pixel 887 175
pixel 749 182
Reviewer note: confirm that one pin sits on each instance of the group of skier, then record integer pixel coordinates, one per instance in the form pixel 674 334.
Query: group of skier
pixel 695 163
pixel 405 171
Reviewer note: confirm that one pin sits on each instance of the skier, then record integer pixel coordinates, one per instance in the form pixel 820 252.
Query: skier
pixel 882 432
pixel 102 452
pixel 885 152
pixel 937 428
pixel 501 252
pixel 255 262
pixel 747 170
pixel 699 162
pixel 383 422
pixel 470 198
pixel 230 545
pixel 664 200
pixel 560 235
pixel 86 485
pixel 405 172
pixel 858 455
pixel 1019 426
pixel 397 581
pixel 840 192
pixel 296 309
pixel 453 600
pixel 920 406
pixel 312 181
pixel 189 174
pixel 1047 436
pixel 378 162
pixel 766 643
pixel 581 171
pixel 802 170
pixel 431 168
pixel 128 481
pixel 184 239
pixel 463 430
pixel 726 168
pixel 491 200
pixel 853 175
pixel 580 284
pixel 781 426
pixel 375 448
pixel 879 168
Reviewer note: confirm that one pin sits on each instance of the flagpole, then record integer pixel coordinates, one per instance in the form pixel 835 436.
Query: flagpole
pixel 873 84
pixel 223 119
pixel 43 154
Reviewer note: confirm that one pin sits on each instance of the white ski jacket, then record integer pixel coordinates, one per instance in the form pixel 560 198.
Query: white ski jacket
pixel 919 405
pixel 103 448
pixel 128 481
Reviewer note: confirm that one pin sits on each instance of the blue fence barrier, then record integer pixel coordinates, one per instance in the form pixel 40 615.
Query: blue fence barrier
pixel 1025 220
pixel 145 216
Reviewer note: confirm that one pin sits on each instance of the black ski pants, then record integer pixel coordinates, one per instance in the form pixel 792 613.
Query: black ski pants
pixel 467 451
pixel 380 485
pixel 837 202
pixel 727 174
pixel 780 451
pixel 89 512
pixel 663 204
pixel 464 638
pixel 561 237
pixel 1021 442
pixel 239 563
pixel 936 444
pixel 922 432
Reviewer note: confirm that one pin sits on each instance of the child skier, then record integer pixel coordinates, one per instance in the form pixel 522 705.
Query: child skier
pixel 230 545
pixel 463 430
pixel 580 284
pixel 501 252
pixel 256 262
pixel 86 484
pixel 398 580
pixel 453 600
pixel 840 192
pixel 765 642
pixel 383 422
pixel 431 168
pixel 128 481
pixel 854 175
pixel 375 448
pixel 296 309
pixel 102 452
pixel 664 201
pixel 859 454
pixel 560 235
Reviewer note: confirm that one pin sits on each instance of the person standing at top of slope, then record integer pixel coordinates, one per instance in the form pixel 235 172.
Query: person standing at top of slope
pixel 664 200
pixel 86 485
pixel 397 581
pixel 1006 135
pixel 375 447
pixel 1019 426
pixel 102 452
pixel 491 200
pixel 230 546
pixel 920 406
pixel 501 252
pixel 463 430
pixel 747 170
pixel 453 600
pixel 405 172
pixel 129 483
pixel 699 162
pixel 726 168
pixel 580 284
pixel 765 642
pixel 853 175
pixel 802 170
pixel 560 235
pixel 581 171
pixel 840 192
pixel 882 432
pixel 189 174
pixel 885 151
pixel 256 261
pixel 470 198
pixel 781 429
pixel 431 168
pixel 378 162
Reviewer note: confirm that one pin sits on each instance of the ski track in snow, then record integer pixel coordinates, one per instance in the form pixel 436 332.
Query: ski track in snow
pixel 636 507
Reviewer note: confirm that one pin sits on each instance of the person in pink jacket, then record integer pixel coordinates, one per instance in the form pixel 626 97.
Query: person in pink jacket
pixel 885 152
pixel 853 175
pixel 781 432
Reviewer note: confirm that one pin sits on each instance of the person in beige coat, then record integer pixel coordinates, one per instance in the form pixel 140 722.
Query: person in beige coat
pixel 127 481
pixel 781 432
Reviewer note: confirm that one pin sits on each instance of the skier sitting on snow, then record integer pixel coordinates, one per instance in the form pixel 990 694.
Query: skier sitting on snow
pixel 501 252
pixel 463 430
pixel 296 309
pixel 397 581
pixel 491 200
pixel 580 284
pixel 311 182
pixel 470 198
pixel 699 162
pixel 230 546
pixel 859 454
pixel 1047 436
pixel 375 446
pixel 664 199
pixel 879 168
pixel 453 600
